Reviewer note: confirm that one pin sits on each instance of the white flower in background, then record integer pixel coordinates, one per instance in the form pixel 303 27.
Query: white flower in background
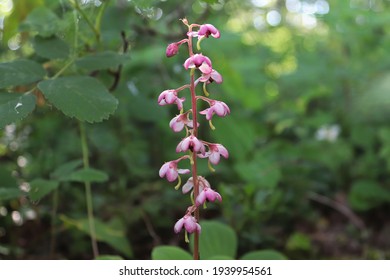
pixel 328 133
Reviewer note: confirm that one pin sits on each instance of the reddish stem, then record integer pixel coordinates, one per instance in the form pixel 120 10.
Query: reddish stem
pixel 194 157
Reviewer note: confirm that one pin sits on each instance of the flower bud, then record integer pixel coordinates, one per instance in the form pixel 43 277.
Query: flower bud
pixel 172 49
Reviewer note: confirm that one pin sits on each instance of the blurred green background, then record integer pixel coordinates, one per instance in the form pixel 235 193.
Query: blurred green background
pixel 308 85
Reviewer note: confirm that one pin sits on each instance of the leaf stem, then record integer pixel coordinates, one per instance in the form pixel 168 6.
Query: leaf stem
pixel 88 192
pixel 84 15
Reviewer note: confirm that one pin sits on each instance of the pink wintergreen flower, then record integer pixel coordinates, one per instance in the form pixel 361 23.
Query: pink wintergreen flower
pixel 206 30
pixel 203 183
pixel 169 96
pixel 213 76
pixel 209 195
pixel 190 143
pixel 190 224
pixel 177 123
pixel 170 170
pixel 216 107
pixel 172 49
pixel 199 61
pixel 215 152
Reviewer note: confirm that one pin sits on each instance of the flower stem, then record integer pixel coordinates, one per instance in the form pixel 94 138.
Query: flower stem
pixel 194 156
pixel 88 192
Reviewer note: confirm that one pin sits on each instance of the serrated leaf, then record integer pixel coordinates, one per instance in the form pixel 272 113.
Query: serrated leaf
pixel 40 188
pixel 52 47
pixel 170 253
pixel 41 20
pixel 217 239
pixel 88 175
pixel 20 72
pixel 264 255
pixel 82 97
pixel 9 193
pixel 112 233
pixel 14 107
pixel 102 60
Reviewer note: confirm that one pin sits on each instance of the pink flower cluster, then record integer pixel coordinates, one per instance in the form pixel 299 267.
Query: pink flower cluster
pixel 199 188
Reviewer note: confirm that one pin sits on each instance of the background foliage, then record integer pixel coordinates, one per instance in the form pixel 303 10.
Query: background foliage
pixel 308 85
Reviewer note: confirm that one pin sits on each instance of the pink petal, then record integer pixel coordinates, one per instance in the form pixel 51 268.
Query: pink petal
pixel 223 151
pixel 201 198
pixel 172 174
pixel 205 68
pixel 216 77
pixel 179 225
pixel 164 169
pixel 214 158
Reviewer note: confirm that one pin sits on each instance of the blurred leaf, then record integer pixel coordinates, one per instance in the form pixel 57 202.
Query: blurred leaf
pixel 108 257
pixel 40 188
pixel 112 233
pixel 14 107
pixel 52 47
pixel 88 175
pixel 298 241
pixel 264 255
pixel 20 72
pixel 102 60
pixel 236 134
pixel 260 171
pixel 217 239
pixel 63 171
pixel 210 1
pixel 82 97
pixel 170 253
pixel 9 193
pixel 41 20
pixel 365 195
pixel 220 257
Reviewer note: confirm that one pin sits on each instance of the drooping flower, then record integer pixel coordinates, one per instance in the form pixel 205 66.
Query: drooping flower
pixel 213 76
pixel 177 123
pixel 190 224
pixel 215 152
pixel 172 49
pixel 205 30
pixel 202 182
pixel 199 61
pixel 209 195
pixel 169 96
pixel 190 143
pixel 216 107
pixel 170 170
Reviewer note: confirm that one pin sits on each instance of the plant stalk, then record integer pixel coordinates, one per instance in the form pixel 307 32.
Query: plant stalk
pixel 194 155
pixel 88 192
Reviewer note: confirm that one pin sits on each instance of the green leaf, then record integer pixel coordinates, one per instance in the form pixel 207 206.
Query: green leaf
pixel 264 255
pixel 112 233
pixel 102 60
pixel 261 171
pixel 365 195
pixel 14 107
pixel 40 188
pixel 52 47
pixel 82 97
pixel 9 193
pixel 109 257
pixel 63 171
pixel 170 253
pixel 217 239
pixel 210 1
pixel 88 175
pixel 220 257
pixel 41 20
pixel 298 241
pixel 20 72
